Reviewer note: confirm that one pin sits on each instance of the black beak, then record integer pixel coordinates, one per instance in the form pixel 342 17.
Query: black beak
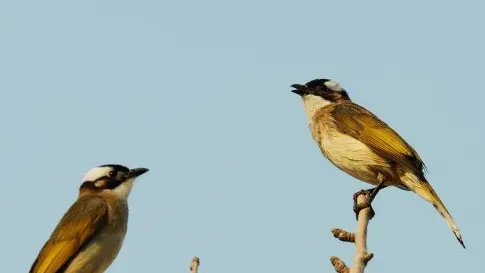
pixel 136 172
pixel 300 89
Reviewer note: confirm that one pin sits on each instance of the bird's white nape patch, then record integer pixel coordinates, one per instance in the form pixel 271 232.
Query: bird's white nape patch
pixel 96 173
pixel 333 85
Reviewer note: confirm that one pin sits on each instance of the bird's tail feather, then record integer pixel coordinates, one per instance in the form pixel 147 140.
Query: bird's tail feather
pixel 427 192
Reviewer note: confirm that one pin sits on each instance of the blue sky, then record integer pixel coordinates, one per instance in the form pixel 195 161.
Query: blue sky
pixel 198 91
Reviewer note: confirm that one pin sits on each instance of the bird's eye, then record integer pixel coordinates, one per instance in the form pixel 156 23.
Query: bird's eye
pixel 112 174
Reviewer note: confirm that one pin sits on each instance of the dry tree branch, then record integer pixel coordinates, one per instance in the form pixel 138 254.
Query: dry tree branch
pixel 194 265
pixel 362 257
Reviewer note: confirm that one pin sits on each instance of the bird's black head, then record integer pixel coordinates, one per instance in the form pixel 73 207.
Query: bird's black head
pixel 109 177
pixel 328 89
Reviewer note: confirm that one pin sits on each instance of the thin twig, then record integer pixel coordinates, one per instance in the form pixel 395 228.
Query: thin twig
pixel 194 265
pixel 362 257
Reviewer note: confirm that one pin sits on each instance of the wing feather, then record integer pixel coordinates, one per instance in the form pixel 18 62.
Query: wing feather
pixel 361 124
pixel 83 219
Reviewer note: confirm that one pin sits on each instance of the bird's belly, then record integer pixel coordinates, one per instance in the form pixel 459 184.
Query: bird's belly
pixel 98 254
pixel 352 156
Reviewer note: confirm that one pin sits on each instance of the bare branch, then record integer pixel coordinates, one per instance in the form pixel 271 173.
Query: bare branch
pixel 194 265
pixel 362 257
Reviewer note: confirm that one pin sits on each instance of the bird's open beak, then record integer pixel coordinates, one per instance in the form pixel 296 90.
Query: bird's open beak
pixel 136 172
pixel 300 89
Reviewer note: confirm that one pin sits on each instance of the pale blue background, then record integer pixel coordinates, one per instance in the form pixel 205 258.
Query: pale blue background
pixel 198 91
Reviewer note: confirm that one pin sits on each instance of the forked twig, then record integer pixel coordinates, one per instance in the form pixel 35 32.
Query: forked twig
pixel 362 257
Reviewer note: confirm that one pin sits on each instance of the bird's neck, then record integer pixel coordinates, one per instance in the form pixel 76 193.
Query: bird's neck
pixel 118 212
pixel 313 104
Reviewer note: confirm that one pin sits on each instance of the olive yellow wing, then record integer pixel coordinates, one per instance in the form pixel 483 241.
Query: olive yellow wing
pixel 83 219
pixel 361 124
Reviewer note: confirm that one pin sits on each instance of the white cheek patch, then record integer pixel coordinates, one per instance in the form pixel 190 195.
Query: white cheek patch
pixel 124 189
pixel 96 173
pixel 314 103
pixel 333 85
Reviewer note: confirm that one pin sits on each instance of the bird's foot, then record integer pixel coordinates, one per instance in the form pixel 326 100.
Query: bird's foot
pixel 369 196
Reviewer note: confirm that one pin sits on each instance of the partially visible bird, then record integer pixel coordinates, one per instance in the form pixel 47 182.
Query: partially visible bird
pixel 90 235
pixel 360 144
